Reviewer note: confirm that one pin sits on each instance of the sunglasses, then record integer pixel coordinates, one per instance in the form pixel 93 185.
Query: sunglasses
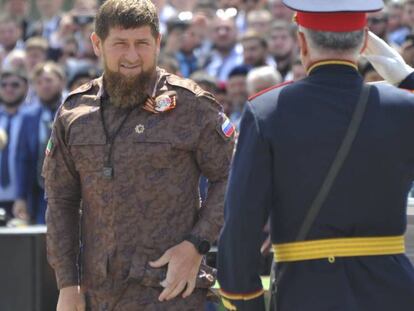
pixel 14 85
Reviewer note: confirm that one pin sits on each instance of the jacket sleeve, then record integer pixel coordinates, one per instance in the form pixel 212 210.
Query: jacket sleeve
pixel 247 206
pixel 63 194
pixel 213 155
pixel 408 82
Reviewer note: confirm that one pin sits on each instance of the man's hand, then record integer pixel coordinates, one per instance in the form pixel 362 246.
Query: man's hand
pixel 20 210
pixel 266 246
pixel 183 264
pixel 386 60
pixel 71 299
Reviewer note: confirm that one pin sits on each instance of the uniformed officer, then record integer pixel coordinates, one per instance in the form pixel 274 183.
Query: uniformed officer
pixel 352 255
pixel 129 148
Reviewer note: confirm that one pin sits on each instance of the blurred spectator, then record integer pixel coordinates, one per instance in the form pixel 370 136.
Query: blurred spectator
pixel 396 28
pixel 226 53
pixel 259 21
pixel 206 8
pixel 85 8
pixel 13 89
pixel 183 5
pixel 78 24
pixel 261 78
pixel 2 56
pixel 252 5
pixel 283 47
pixel 50 17
pixel 168 10
pixel 407 49
pixel 72 41
pixel 279 11
pixel 397 31
pixel 10 34
pixel 298 70
pixel 85 44
pixel 225 4
pixel 255 51
pixel 246 8
pixel 408 14
pixel 395 16
pixel 237 93
pixel 70 50
pixel 83 16
pixel 19 11
pixel 169 63
pixel 175 33
pixel 36 52
pixel 67 28
pixel 378 23
pixel 205 81
pixel 190 41
pixel 15 59
pixel 49 82
pixel 165 12
pixel 233 9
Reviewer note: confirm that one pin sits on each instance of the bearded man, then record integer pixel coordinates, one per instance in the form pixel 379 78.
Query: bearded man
pixel 48 83
pixel 13 91
pixel 127 151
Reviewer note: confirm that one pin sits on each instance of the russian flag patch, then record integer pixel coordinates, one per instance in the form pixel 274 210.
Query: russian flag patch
pixel 227 127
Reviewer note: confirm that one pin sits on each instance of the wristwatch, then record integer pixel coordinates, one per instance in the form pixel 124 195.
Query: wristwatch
pixel 201 245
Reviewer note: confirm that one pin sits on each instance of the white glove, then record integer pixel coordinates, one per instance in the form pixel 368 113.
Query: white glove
pixel 386 60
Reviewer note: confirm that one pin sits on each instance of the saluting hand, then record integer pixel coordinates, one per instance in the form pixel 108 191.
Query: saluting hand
pixel 183 264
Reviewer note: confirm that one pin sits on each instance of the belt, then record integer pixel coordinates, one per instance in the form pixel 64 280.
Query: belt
pixel 338 247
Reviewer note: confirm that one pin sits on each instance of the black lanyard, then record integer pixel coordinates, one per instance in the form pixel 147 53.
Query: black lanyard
pixel 108 170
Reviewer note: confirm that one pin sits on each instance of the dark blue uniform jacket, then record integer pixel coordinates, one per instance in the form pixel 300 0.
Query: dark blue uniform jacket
pixel 289 136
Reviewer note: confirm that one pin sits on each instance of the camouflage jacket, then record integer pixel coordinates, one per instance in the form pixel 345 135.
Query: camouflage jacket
pixel 152 201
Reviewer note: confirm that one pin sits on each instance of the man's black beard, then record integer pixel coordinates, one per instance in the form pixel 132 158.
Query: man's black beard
pixel 52 102
pixel 127 92
pixel 283 57
pixel 224 50
pixel 260 63
pixel 15 103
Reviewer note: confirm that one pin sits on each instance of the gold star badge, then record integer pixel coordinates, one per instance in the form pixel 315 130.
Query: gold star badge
pixel 139 129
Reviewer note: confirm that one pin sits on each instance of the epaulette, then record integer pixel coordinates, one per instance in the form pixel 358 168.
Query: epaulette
pixel 193 87
pixel 81 89
pixel 269 89
pixel 185 84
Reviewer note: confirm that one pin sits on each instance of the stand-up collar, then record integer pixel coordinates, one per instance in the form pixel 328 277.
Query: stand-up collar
pixel 332 66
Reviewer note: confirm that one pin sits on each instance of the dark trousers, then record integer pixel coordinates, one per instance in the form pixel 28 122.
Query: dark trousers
pixel 135 297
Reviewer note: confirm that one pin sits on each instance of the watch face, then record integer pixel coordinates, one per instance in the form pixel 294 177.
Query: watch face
pixel 204 247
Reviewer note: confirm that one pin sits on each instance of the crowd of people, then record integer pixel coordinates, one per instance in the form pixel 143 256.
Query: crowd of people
pixel 232 48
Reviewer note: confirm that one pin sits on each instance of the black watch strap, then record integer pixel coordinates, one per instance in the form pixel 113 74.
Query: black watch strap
pixel 201 245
